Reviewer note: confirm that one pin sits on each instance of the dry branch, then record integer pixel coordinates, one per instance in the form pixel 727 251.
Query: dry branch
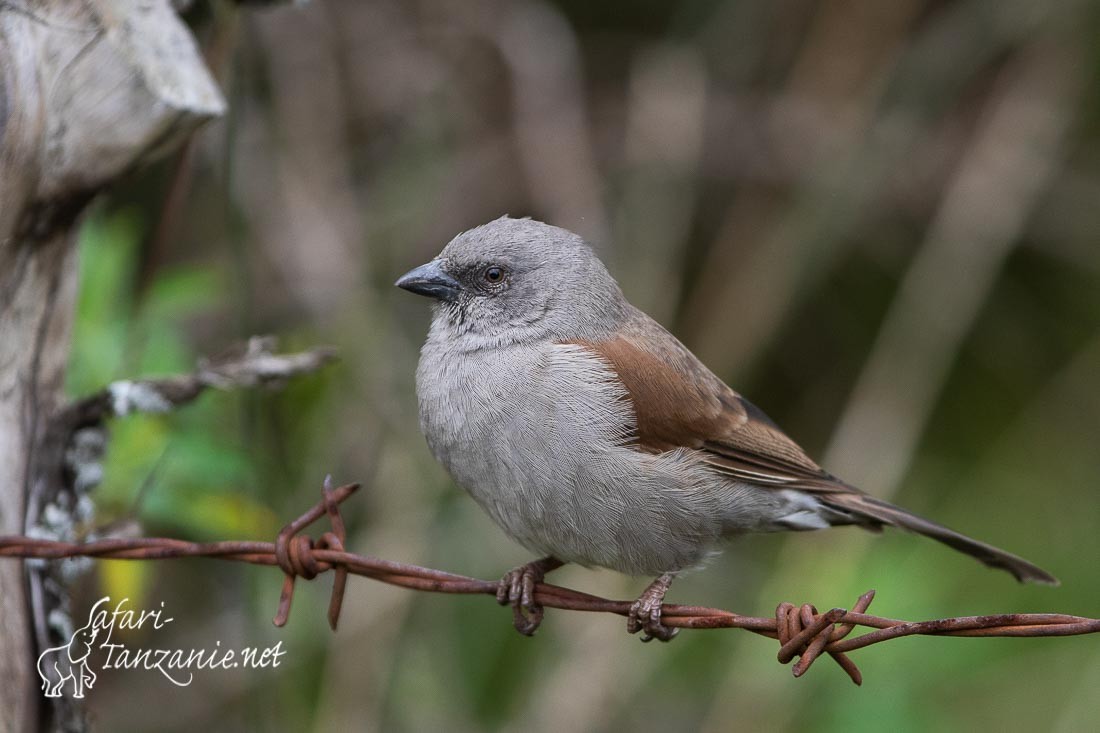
pixel 250 365
pixel 73 440
pixel 802 631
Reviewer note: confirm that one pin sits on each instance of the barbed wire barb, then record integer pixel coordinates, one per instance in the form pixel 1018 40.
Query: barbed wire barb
pixel 802 632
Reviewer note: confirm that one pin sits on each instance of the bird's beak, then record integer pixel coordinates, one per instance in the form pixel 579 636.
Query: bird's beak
pixel 430 280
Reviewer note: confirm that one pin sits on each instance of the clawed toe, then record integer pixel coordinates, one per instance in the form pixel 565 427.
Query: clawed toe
pixel 645 613
pixel 645 616
pixel 517 589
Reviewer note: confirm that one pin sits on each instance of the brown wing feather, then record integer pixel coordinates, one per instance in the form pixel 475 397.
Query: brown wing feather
pixel 679 403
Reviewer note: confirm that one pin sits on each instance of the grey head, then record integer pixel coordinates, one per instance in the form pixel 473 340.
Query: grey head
pixel 519 280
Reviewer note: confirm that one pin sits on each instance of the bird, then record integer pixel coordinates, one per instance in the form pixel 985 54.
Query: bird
pixel 591 435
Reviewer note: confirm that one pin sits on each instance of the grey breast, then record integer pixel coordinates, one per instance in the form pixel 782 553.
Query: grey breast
pixel 537 435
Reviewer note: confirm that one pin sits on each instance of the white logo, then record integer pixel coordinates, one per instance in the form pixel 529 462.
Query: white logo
pixel 71 662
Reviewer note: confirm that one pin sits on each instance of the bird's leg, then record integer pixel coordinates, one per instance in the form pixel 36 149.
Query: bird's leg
pixel 517 588
pixel 645 614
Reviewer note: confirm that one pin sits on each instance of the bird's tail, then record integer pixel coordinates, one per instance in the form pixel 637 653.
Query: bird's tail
pixel 860 506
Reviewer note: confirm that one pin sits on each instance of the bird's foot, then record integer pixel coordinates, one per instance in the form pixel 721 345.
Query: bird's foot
pixel 645 614
pixel 517 589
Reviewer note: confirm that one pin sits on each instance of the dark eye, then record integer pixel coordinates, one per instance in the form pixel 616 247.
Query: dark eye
pixel 493 274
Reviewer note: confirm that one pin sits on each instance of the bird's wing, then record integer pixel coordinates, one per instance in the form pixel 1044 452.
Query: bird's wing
pixel 679 403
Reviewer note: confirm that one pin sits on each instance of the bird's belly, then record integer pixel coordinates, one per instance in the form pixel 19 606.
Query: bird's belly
pixel 537 438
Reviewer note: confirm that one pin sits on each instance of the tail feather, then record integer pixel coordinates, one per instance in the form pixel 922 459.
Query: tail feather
pixel 878 512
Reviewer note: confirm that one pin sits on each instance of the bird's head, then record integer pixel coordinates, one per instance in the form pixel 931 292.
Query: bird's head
pixel 515 280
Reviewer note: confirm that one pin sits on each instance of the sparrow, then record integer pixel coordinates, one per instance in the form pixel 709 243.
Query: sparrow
pixel 591 435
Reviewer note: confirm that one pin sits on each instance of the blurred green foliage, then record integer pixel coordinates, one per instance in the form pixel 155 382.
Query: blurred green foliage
pixel 178 473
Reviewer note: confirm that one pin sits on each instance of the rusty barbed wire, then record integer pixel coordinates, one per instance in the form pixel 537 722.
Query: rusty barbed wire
pixel 802 631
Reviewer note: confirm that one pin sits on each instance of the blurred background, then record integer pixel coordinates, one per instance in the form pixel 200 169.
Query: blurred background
pixel 879 221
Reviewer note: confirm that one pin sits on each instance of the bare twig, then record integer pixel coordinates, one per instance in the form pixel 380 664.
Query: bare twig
pixel 67 459
pixel 802 631
pixel 249 365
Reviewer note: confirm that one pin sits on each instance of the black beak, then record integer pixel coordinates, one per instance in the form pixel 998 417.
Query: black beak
pixel 430 280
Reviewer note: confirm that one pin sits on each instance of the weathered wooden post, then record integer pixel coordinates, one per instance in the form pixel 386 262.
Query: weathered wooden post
pixel 89 90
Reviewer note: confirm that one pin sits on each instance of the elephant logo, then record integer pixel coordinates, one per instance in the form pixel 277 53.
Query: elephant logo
pixel 58 665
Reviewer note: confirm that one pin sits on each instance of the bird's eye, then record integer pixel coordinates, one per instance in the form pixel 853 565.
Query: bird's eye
pixel 494 274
